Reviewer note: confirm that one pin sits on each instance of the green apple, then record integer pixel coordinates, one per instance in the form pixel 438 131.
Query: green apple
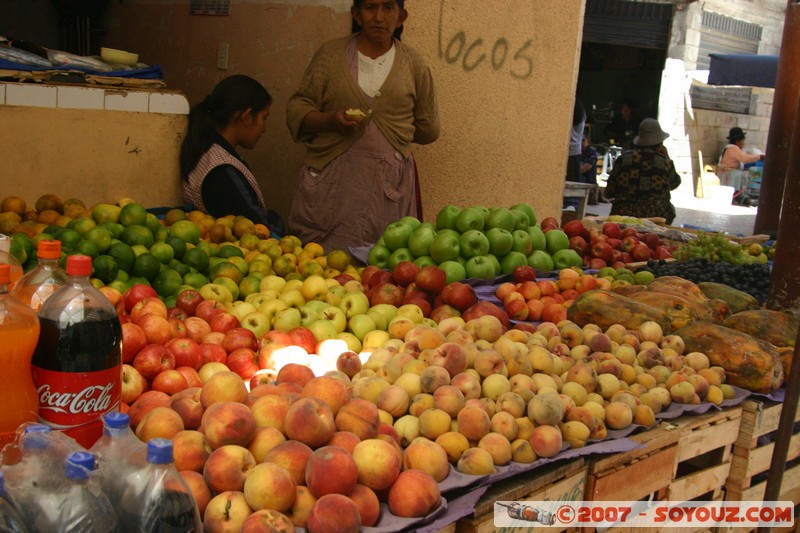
pixel 257 298
pixel 411 312
pixel 512 260
pixel 353 343
pixel 292 298
pixel 419 242
pixel 521 218
pixel 317 305
pixel 272 282
pixel 424 260
pixel 500 241
pixel 378 318
pixel 354 303
pixel 480 267
pixel 484 211
pixel 336 316
pixel 286 319
pixel 271 307
pixel 389 311
pixel 396 235
pixel 215 291
pixel 308 315
pixel 470 218
pixel 473 243
pixel 496 262
pixel 537 238
pixel 556 240
pixel 241 308
pixel 566 258
pixel 607 271
pixel 256 322
pixel 529 210
pixel 323 330
pixel 411 221
pixel 230 285
pixel 541 261
pixel 445 247
pixel 398 256
pixel 374 339
pixel 454 271
pixel 314 287
pixel 446 218
pixel 335 294
pixel 500 217
pixel 360 325
pixel 379 256
pixel 522 242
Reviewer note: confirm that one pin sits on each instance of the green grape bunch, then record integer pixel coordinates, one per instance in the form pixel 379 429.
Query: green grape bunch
pixel 715 247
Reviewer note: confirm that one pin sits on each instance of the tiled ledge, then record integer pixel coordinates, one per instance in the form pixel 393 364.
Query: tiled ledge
pixel 97 98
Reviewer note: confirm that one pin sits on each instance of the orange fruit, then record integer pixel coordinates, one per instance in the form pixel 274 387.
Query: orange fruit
pixel 174 215
pixel 226 269
pixel 338 259
pixel 229 250
pixel 8 220
pixel 49 201
pixel 14 204
pixel 74 207
pixel 242 226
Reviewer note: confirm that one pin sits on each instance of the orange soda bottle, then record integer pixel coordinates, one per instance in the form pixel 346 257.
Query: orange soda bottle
pixel 13 262
pixel 38 284
pixel 19 333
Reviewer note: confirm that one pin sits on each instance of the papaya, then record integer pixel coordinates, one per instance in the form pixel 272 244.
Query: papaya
pixel 749 362
pixel 786 353
pixel 684 287
pixel 775 327
pixel 678 294
pixel 605 308
pixel 737 300
pixel 679 310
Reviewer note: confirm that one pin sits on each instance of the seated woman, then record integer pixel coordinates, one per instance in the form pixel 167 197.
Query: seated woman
pixel 732 159
pixel 216 180
pixel 640 182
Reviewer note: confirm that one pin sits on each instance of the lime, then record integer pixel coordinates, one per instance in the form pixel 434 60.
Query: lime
pixel 228 250
pixel 40 237
pixel 17 249
pixel 146 266
pixel 122 275
pixel 205 246
pixel 82 225
pixel 163 252
pixel 100 237
pixel 133 214
pixel 167 282
pixel 123 255
pixel 105 213
pixel 105 268
pixel 139 249
pixel 161 234
pixel 120 285
pixel 113 228
pixel 180 267
pixel 643 277
pixel 195 279
pixel 26 244
pixel 186 230
pixel 69 239
pixel 197 259
pixel 53 230
pixel 178 246
pixel 96 283
pixel 152 223
pixel 226 269
pixel 137 234
pixel 170 301
pixel 139 281
pixel 88 248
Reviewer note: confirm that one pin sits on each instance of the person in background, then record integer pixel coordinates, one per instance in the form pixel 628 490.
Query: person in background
pixel 589 170
pixel 574 158
pixel 216 180
pixel 363 100
pixel 640 182
pixel 732 159
pixel 624 127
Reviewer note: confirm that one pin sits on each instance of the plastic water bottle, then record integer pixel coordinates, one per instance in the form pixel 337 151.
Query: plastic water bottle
pixel 13 262
pixel 78 503
pixel 37 285
pixel 157 498
pixel 119 453
pixel 77 365
pixel 10 519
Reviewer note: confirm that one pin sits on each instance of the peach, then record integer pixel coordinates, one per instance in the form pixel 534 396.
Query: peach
pixel 160 422
pixel 331 470
pixel 546 441
pixel 263 441
pixel 368 388
pixel 270 486
pixel 584 375
pixel 420 403
pixel 426 455
pixel 145 403
pixel 187 404
pixel 414 494
pixel 473 423
pixel 469 385
pixel 331 390
pixel 394 400
pixel 495 385
pixel 619 415
pixel 522 451
pixel 599 431
pixel 476 462
pixel 486 327
pixel 454 444
pixel 644 416
pixel 432 378
pixel 226 513
pixel 576 433
pixel 228 423
pixel 524 427
pixel 190 450
pixel 293 456
pixel 378 462
pixel 451 356
pixel 334 513
pixel 358 416
pixel 200 491
pixel 227 467
pixel 407 428
pixel 511 403
pixel 223 387
pixel 344 439
pixel 546 408
pixel 433 422
pixel 498 446
pixel 295 373
pixel 348 362
pixel 269 411
pixel 301 507
pixel 267 520
pixel 310 421
pixel 505 424
pixel 369 507
pixel 488 362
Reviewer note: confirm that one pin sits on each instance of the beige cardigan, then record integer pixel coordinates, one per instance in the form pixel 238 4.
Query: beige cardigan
pixel 405 112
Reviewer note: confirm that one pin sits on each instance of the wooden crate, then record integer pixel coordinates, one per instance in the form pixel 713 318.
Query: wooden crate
pixel 681 459
pixel 562 481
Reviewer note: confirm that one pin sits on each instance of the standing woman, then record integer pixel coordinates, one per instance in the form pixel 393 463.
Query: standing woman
pixel 361 103
pixel 216 180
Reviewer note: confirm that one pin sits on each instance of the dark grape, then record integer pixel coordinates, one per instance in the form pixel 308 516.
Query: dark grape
pixel 754 279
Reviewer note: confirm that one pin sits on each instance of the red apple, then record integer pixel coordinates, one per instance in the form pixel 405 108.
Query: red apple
pixel 224 322
pixel 133 340
pixel 612 229
pixel 367 274
pixel 136 293
pixel 595 263
pixel 156 329
pixel 486 308
pixel 440 312
pixel 185 351
pixel 303 337
pixel 386 293
pixel 133 384
pixel 651 239
pixel 208 308
pixel 404 273
pixel 176 312
pixel 575 228
pixel 191 375
pixel 169 382
pixel 662 252
pixel 379 278
pixel 431 278
pixel 244 362
pixel 149 305
pixel 603 250
pixel 212 353
pixel 152 360
pixel 177 328
pixel 641 252
pixel 196 328
pixel 628 232
pixel 240 338
pixel 459 294
pixel 523 273
pixel 188 300
pixel 579 244
pixel 548 223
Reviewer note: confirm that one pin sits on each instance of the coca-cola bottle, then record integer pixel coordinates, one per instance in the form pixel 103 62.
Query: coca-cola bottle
pixel 77 365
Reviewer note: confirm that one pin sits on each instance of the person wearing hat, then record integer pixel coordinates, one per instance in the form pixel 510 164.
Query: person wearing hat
pixel 640 182
pixel 732 159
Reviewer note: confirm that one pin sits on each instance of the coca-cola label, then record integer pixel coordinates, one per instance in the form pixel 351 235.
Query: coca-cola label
pixel 74 402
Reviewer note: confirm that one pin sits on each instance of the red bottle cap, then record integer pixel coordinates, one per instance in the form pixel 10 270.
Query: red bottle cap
pixel 5 273
pixel 79 265
pixel 49 249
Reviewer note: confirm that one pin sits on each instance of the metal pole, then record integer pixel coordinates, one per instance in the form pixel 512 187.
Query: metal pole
pixel 787 88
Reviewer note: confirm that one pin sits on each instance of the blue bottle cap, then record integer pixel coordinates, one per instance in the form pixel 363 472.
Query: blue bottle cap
pixel 79 464
pixel 159 451
pixel 36 437
pixel 117 420
pixel 2 484
pixel 37 428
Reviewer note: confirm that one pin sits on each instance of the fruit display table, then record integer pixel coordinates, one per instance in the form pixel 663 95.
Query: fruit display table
pixel 578 190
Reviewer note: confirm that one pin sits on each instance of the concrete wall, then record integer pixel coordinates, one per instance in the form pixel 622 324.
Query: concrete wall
pixel 505 72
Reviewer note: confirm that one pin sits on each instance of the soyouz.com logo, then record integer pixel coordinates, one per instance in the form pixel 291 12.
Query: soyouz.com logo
pixel 667 514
